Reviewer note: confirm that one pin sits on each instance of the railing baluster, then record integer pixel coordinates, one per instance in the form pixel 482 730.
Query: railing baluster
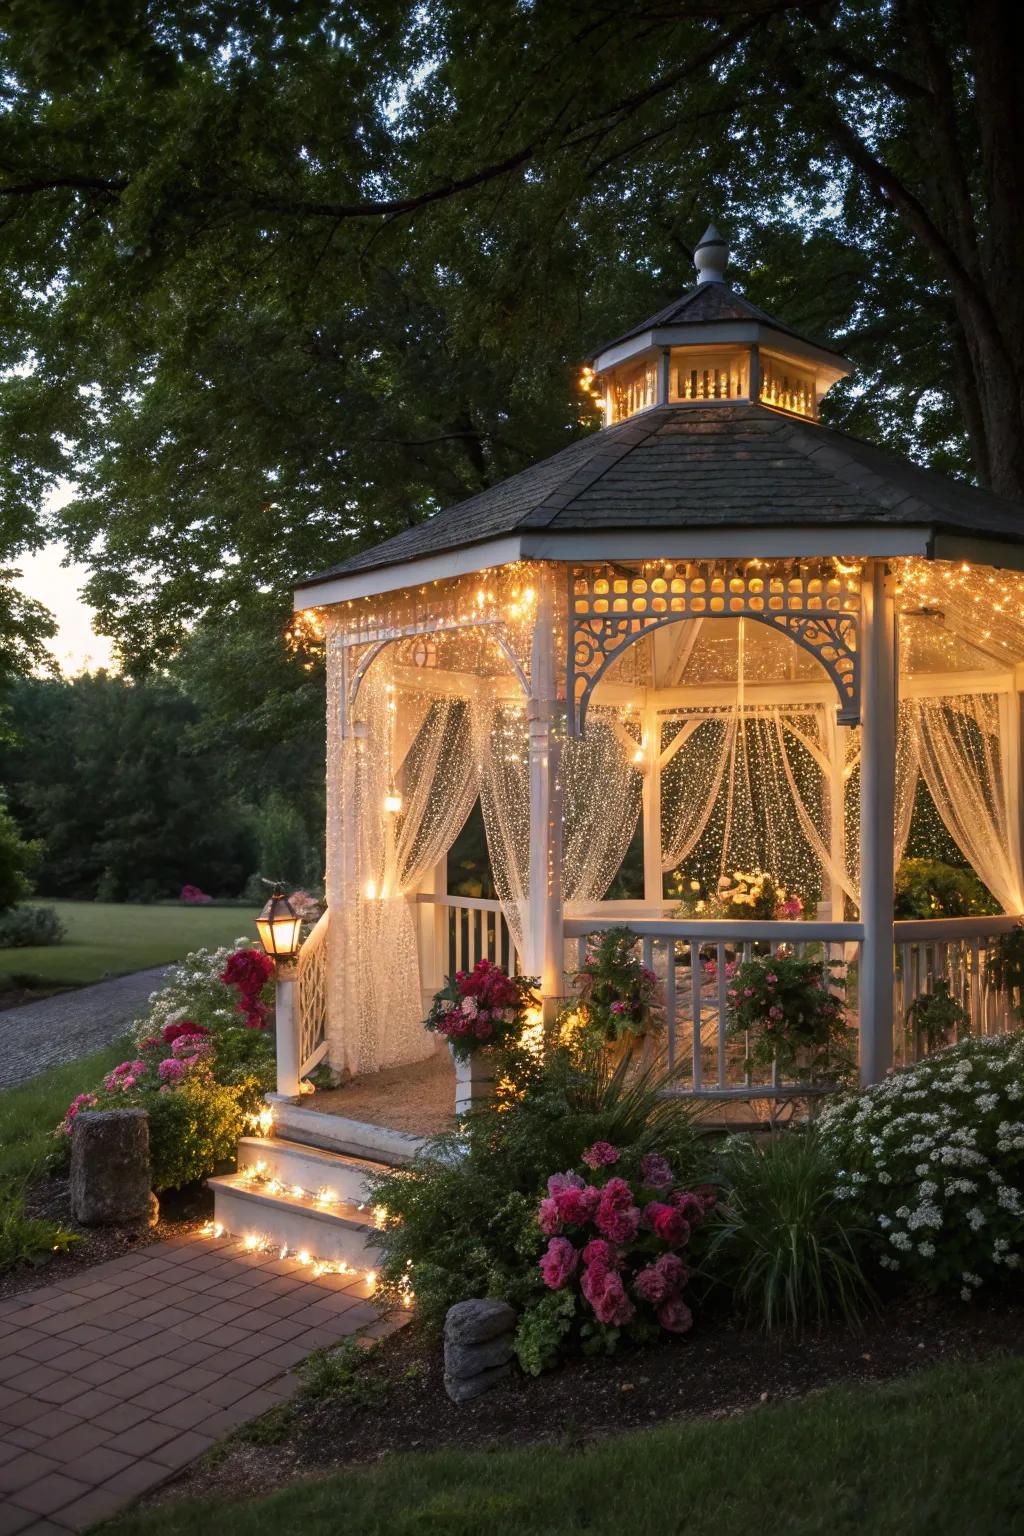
pixel 670 1003
pixel 698 1066
pixel 723 1011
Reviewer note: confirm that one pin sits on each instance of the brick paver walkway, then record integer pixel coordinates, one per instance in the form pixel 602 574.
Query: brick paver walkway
pixel 62 1028
pixel 114 1380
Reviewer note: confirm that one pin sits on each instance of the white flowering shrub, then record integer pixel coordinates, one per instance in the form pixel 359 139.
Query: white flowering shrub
pixel 193 991
pixel 934 1158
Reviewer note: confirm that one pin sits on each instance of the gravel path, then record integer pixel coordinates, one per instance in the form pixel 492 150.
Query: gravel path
pixel 43 1034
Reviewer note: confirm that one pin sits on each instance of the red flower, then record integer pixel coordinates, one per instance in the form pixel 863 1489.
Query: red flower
pixel 667 1223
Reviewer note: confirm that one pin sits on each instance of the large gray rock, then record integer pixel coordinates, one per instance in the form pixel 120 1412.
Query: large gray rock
pixel 477 1347
pixel 463 1389
pixel 470 1359
pixel 472 1322
pixel 110 1177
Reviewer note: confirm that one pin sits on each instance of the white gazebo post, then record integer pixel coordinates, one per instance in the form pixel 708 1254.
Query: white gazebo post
pixel 877 818
pixel 545 941
pixel 342 883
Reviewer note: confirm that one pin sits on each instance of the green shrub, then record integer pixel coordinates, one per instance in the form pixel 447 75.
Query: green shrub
pixel 27 1239
pixel 783 1243
pixel 17 860
pixel 462 1220
pixel 933 1163
pixel 928 888
pixel 192 1128
pixel 937 1018
pixel 24 927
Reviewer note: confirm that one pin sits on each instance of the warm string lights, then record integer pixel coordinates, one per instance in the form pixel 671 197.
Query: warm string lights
pixel 258 1242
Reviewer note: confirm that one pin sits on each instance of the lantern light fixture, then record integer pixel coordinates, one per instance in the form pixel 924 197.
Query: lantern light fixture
pixel 393 801
pixel 279 928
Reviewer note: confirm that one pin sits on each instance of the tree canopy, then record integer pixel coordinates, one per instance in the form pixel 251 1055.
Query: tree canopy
pixel 281 278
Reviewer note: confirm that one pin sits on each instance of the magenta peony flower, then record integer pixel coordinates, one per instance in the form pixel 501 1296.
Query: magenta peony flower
pixel 617 1195
pixel 655 1171
pixel 674 1315
pixel 604 1290
pixel 559 1263
pixel 674 1271
pixel 667 1223
pixel 578 1206
pixel 690 1206
pixel 548 1218
pixel 599 1255
pixel 619 1225
pixel 171 1070
pixel 560 1181
pixel 600 1155
pixel 651 1285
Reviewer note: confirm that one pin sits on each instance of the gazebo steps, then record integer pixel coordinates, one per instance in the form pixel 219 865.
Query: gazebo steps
pixel 296 1165
pixel 270 1215
pixel 337 1133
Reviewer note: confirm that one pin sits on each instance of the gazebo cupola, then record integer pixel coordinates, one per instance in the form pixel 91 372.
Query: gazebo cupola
pixel 711 346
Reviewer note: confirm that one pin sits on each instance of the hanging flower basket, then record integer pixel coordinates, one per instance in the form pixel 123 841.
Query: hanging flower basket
pixel 792 1014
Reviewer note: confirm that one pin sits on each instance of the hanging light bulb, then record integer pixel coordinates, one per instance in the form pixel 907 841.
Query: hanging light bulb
pixel 392 801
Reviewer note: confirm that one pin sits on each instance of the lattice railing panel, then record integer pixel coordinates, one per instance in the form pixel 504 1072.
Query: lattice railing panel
pixel 312 997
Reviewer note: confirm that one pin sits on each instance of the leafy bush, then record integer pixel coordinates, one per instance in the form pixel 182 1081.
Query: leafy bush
pixel 24 927
pixel 616 1236
pixel 933 1162
pixel 1005 966
pixel 790 1013
pixel 937 1018
pixel 462 1221
pixel 27 1239
pixel 17 860
pixel 192 1129
pixel 928 888
pixel 618 993
pixel 783 1243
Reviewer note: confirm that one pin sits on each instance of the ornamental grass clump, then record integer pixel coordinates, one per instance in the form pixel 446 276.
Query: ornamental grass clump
pixel 932 1160
pixel 791 1012
pixel 783 1244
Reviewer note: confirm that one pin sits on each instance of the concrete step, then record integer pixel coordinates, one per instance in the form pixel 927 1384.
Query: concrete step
pixel 312 1169
pixel 338 1231
pixel 337 1133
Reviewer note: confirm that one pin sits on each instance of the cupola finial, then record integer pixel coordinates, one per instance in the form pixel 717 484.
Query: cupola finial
pixel 710 257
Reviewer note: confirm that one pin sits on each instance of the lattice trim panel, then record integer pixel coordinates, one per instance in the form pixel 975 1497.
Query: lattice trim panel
pixel 312 996
pixel 815 604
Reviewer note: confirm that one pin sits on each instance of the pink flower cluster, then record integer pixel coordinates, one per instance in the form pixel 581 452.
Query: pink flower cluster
pixel 632 1259
pixel 481 1007
pixel 124 1076
pixel 83 1101
pixel 194 897
pixel 249 970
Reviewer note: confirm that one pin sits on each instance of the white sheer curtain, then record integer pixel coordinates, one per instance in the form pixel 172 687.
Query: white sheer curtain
pixel 704 764
pixel 959 746
pixel 422 746
pixel 601 794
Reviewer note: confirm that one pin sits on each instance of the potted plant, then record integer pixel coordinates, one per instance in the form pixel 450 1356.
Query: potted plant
pixel 937 1018
pixel 477 1013
pixel 792 1014
pixel 619 996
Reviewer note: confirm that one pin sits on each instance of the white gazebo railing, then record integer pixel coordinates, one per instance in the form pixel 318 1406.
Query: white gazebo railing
pixel 690 960
pixel 956 950
pixel 469 928
pixel 311 998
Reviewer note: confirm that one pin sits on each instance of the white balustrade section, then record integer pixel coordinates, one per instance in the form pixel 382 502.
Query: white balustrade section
pixel 690 961
pixel 476 930
pixel 311 998
pixel 956 950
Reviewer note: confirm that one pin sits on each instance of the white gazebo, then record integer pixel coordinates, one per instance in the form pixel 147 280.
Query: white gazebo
pixel 713 624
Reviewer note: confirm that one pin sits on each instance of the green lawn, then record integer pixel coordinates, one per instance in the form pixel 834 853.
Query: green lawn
pixel 29 1112
pixel 111 940
pixel 937 1454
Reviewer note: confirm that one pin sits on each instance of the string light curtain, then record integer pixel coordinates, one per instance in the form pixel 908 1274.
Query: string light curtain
pixel 961 758
pixel 601 794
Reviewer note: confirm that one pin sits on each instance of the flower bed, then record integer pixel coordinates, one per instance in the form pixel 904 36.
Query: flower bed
pixel 934 1157
pixel 202 1063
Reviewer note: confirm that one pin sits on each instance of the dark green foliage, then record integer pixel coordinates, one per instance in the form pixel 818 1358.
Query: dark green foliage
pixel 462 1221
pixel 23 927
pixel 927 888
pixel 27 1239
pixel 17 859
pixel 104 773
pixel 787 1249
pixel 1006 966
pixel 191 1130
pixel 937 1018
